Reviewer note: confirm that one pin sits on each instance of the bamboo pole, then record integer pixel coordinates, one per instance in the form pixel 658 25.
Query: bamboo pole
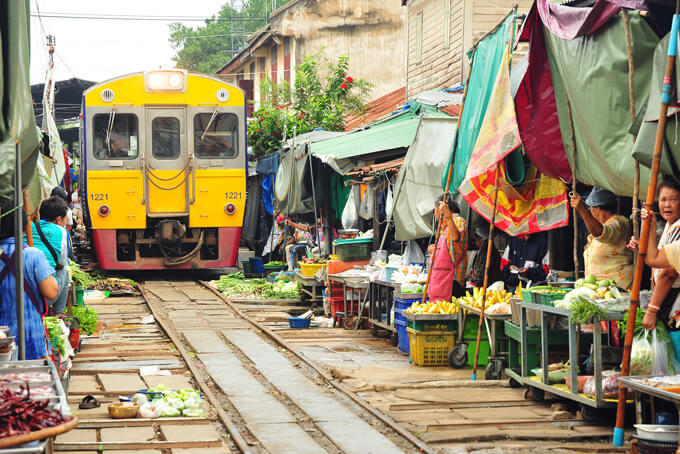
pixel 489 246
pixel 31 217
pixel 631 95
pixel 448 183
pixel 644 236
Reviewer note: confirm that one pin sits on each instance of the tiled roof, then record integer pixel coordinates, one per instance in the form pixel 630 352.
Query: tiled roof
pixel 376 109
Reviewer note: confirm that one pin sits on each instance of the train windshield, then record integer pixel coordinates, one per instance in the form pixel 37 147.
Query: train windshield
pixel 165 137
pixel 217 138
pixel 115 136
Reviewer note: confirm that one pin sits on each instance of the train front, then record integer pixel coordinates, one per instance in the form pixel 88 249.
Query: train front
pixel 163 162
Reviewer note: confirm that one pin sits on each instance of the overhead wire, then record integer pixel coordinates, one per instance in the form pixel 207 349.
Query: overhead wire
pixel 141 17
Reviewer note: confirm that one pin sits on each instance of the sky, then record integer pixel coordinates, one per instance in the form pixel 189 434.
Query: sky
pixel 100 49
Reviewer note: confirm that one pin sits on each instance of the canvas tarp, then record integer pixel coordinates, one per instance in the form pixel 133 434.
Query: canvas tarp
pixel 486 59
pixel 417 184
pixel 644 145
pixel 290 192
pixel 592 71
pixel 17 122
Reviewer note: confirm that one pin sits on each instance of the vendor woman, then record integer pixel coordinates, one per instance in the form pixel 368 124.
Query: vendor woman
pixel 666 280
pixel 606 255
pixel 450 259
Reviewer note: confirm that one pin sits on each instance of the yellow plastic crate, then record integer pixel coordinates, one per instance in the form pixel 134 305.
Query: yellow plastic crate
pixel 430 348
pixel 310 269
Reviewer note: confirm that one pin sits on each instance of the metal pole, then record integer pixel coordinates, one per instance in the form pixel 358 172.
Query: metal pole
pixel 486 275
pixel 19 254
pixel 311 174
pixel 644 236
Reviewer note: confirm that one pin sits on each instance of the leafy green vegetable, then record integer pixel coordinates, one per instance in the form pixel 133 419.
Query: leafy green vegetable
pixel 662 334
pixel 80 277
pixel 234 285
pixel 584 311
pixel 87 317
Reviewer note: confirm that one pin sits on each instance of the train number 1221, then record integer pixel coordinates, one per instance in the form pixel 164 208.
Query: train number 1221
pixel 233 195
pixel 99 197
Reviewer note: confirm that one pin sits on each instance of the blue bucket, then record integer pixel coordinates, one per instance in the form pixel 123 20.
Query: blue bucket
pixel 299 322
pixel 257 265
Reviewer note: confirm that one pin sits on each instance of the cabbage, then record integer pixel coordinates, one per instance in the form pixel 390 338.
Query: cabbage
pixel 174 402
pixel 193 413
pixel 149 410
pixel 170 412
pixel 642 356
pixel 193 403
pixel 140 399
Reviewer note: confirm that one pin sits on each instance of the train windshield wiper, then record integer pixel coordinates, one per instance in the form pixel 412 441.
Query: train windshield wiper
pixel 109 128
pixel 205 131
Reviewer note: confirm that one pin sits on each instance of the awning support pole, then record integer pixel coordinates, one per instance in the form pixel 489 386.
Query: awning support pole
pixel 644 236
pixel 19 253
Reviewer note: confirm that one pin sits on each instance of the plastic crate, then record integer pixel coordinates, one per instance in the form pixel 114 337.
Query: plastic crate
pixel 546 299
pixel 310 269
pixel 299 322
pixel 430 348
pixel 337 305
pixel 470 334
pixel 354 249
pixel 433 325
pixel 338 266
pixel 402 335
pixel 526 295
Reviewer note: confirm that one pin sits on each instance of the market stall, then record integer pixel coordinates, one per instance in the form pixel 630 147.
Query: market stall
pixel 34 407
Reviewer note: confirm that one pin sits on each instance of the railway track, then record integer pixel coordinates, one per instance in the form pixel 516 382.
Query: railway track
pixel 268 397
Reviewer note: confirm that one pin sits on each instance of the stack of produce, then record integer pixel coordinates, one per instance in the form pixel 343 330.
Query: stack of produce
pixel 87 318
pixel 80 277
pixel 168 403
pixel 430 307
pixel 20 414
pixel 497 301
pixel 234 285
pixel 113 284
pixel 603 292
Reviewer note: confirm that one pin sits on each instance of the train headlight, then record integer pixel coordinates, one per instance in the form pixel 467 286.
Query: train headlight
pixel 104 210
pixel 168 80
pixel 230 208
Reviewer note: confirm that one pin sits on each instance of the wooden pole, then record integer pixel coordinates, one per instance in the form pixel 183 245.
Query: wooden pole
pixel 29 229
pixel 651 190
pixel 448 183
pixel 489 246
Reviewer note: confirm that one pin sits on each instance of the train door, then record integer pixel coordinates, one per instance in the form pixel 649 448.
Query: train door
pixel 166 162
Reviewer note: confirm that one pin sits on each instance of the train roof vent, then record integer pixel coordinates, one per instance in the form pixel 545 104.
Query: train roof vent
pixel 107 95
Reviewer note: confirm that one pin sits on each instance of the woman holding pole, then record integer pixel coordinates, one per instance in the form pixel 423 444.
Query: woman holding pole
pixel 450 264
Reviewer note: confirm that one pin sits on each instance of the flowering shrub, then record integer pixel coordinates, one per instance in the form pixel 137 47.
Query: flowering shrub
pixel 314 103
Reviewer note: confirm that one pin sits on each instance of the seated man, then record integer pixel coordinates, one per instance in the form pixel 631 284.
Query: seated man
pixel 476 276
pixel 51 237
pixel 524 260
pixel 39 283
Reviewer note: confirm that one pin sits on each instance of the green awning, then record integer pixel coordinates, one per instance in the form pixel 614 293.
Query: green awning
pixel 393 133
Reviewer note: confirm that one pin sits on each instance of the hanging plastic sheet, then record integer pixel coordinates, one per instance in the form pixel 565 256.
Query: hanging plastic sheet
pixel 418 182
pixel 568 22
pixel 268 165
pixel 292 195
pixel 592 71
pixel 486 59
pixel 540 202
pixel 268 193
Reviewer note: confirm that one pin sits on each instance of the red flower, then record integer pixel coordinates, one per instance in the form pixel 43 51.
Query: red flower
pixel 301 115
pixel 349 79
pixel 344 86
pixel 276 134
pixel 258 130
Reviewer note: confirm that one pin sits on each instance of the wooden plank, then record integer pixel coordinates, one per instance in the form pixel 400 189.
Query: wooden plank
pixel 100 423
pixel 433 406
pixel 84 446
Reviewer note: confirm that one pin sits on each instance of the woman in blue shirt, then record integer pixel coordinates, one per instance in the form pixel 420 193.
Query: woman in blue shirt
pixel 38 274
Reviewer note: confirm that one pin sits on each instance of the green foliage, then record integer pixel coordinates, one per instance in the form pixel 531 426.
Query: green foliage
pixel 207 48
pixel 584 311
pixel 316 102
pixel 87 317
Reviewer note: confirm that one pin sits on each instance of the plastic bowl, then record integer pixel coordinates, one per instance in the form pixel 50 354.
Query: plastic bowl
pixel 152 395
pixel 299 322
pixel 123 410
pixel 657 432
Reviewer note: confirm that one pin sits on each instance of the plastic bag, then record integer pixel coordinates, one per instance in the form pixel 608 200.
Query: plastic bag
pixel 642 355
pixel 660 348
pixel 389 203
pixel 610 385
pixel 350 219
pixel 366 207
pixel 412 254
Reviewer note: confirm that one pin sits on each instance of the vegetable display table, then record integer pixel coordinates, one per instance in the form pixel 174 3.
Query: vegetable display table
pixel 42 377
pixel 652 387
pixel 309 286
pixel 529 379
pixel 381 302
pixel 493 324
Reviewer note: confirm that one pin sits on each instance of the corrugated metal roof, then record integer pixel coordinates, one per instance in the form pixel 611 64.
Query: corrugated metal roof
pixel 377 108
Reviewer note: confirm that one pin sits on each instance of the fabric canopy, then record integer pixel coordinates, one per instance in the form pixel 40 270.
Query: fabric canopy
pixel 592 73
pixel 392 133
pixel 289 188
pixel 486 59
pixel 17 122
pixel 417 184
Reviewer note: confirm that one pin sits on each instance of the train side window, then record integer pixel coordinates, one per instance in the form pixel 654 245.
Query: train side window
pixel 115 136
pixel 217 138
pixel 165 138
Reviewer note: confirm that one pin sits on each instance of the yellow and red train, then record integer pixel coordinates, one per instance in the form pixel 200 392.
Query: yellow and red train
pixel 163 170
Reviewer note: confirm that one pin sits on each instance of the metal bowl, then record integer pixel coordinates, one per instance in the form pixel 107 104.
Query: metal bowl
pixel 123 410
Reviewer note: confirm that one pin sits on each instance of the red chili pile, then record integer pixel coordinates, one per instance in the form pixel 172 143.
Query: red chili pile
pixel 19 414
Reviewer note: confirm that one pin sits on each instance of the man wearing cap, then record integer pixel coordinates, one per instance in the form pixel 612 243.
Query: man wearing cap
pixel 476 276
pixel 605 255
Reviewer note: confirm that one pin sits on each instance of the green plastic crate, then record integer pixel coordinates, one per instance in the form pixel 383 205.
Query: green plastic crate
pixel 353 249
pixel 547 299
pixel 433 325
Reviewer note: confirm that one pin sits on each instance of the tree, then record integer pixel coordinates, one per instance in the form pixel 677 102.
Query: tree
pixel 316 102
pixel 207 48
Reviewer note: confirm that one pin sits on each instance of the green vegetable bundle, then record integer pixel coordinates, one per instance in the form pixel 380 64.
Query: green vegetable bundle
pixel 584 311
pixel 80 277
pixel 87 317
